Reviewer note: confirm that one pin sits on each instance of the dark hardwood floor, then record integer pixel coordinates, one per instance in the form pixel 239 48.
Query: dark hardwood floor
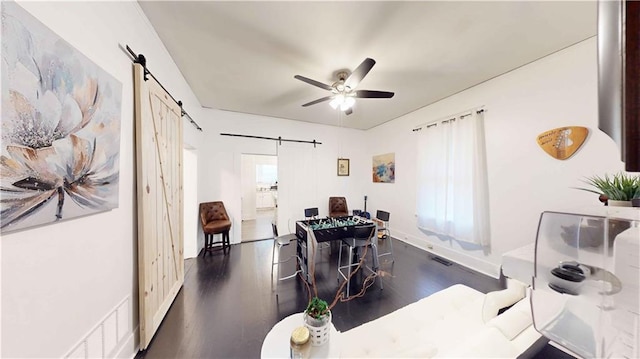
pixel 227 306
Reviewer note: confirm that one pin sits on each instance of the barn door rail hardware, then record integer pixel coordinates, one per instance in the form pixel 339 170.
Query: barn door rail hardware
pixel 279 139
pixel 140 59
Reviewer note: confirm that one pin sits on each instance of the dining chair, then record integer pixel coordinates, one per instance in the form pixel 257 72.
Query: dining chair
pixel 278 243
pixel 382 217
pixel 311 213
pixel 215 220
pixel 338 207
pixel 363 236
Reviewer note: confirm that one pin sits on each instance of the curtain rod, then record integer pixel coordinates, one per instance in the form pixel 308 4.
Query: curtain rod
pixel 140 59
pixel 279 139
pixel 462 114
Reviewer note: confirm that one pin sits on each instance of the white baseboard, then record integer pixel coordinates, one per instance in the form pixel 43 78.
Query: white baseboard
pixel 477 264
pixel 130 347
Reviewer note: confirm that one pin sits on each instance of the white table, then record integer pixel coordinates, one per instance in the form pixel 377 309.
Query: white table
pixel 276 343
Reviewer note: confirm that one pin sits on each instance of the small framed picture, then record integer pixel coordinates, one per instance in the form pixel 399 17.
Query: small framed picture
pixel 343 166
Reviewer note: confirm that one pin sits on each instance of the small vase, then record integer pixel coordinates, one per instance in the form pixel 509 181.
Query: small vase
pixel 319 329
pixel 613 203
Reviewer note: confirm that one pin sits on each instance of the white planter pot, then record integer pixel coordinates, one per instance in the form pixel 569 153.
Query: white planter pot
pixel 318 329
pixel 613 203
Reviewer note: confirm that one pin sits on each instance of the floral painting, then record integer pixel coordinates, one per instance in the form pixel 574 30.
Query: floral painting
pixel 60 127
pixel 384 168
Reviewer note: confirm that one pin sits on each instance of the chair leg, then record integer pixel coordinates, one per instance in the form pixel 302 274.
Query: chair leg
pixel 390 252
pixel 278 272
pixel 376 263
pixel 279 262
pixel 226 243
pixel 339 260
pixel 273 258
pixel 349 271
pixel 207 238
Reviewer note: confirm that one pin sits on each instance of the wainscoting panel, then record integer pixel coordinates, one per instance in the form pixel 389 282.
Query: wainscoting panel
pixel 110 332
pixel 94 343
pixel 108 336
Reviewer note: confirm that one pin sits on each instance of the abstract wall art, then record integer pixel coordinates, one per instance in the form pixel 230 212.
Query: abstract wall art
pixel 60 127
pixel 384 168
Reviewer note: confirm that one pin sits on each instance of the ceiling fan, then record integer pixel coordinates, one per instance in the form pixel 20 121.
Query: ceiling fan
pixel 343 91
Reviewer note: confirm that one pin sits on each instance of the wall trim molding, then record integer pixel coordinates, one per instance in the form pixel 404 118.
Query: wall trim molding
pixel 110 336
pixel 477 264
pixel 130 347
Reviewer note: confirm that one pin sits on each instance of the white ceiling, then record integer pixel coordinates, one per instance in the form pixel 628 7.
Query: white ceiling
pixel 242 56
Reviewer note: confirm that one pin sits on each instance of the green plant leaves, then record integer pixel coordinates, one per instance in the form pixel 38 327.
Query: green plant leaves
pixel 619 187
pixel 317 308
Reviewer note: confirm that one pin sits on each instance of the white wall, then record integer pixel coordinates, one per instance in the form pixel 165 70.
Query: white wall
pixel 558 90
pixel 67 282
pixel 220 177
pixel 62 283
pixel 191 222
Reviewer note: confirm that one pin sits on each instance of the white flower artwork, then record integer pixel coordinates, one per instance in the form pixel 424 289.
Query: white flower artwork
pixel 60 127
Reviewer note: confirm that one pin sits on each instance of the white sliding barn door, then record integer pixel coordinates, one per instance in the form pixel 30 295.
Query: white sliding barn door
pixel 297 184
pixel 159 187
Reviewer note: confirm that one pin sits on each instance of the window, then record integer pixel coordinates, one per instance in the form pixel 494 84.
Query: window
pixel 452 189
pixel 266 175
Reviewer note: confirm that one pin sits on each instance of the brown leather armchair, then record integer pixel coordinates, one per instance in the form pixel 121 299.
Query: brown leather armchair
pixel 338 207
pixel 215 220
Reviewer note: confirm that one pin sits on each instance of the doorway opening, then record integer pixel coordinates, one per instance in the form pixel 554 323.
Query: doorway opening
pixel 259 174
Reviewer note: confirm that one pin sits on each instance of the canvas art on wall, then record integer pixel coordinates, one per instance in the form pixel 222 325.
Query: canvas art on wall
pixel 384 168
pixel 60 127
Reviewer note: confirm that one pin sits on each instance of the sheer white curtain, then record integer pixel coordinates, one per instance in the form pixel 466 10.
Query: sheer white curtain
pixel 453 195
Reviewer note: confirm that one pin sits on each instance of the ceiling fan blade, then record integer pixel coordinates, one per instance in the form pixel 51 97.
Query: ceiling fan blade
pixel 317 101
pixel 373 94
pixel 314 82
pixel 359 73
pixel 348 111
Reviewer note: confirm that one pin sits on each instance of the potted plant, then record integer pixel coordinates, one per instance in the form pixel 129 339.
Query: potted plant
pixel 317 318
pixel 618 189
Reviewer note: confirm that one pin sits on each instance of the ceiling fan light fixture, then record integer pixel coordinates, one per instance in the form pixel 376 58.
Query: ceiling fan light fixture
pixel 342 101
pixel 338 100
pixel 347 103
pixel 343 91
